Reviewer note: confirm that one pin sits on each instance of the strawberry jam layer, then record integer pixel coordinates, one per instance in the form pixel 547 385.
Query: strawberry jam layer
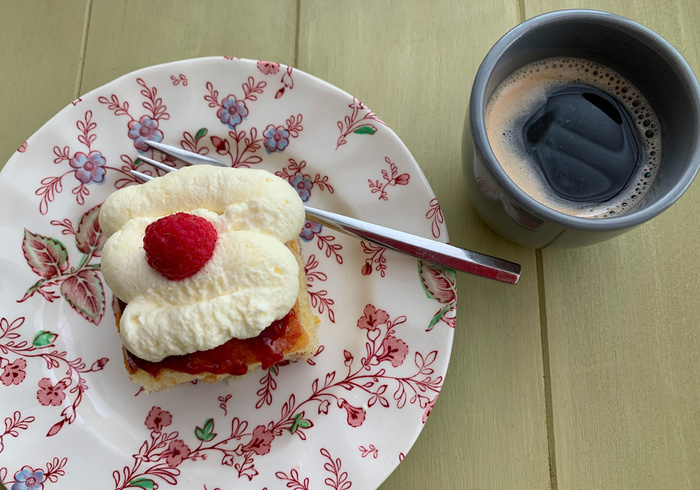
pixel 232 357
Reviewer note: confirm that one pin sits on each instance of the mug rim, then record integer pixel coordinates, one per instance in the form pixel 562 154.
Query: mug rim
pixel 482 146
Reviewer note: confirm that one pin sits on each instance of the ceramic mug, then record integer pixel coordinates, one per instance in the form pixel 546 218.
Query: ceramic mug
pixel 635 52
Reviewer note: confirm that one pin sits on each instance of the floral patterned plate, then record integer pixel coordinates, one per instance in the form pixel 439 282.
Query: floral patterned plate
pixel 345 418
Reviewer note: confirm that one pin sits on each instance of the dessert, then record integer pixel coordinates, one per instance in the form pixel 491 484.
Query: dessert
pixel 207 267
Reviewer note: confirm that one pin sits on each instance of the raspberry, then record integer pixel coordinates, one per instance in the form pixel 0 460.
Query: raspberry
pixel 179 245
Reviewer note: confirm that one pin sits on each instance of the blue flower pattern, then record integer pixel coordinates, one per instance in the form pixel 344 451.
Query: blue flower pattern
pixel 302 184
pixel 27 479
pixel 90 167
pixel 276 138
pixel 232 112
pixel 310 229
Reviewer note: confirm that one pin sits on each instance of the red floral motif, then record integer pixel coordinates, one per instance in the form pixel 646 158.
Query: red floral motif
pixel 157 419
pixel 435 216
pixel 80 286
pixel 356 415
pixel 287 83
pixel 372 318
pixel 231 111
pixel 394 350
pixel 339 479
pixel 301 181
pixel 14 373
pixel 324 406
pixel 376 258
pixel 356 124
pixel 144 127
pixel 22 148
pixel 369 451
pixel 222 146
pixel 260 442
pixel 428 409
pixel 319 298
pixel 177 80
pixel 191 142
pixel 87 167
pixel 12 427
pixel 293 481
pixel 240 448
pixel 391 178
pixel 50 394
pixel 268 67
pixel 325 243
pixel 42 347
pixel 177 452
pixel 272 68
pixel 30 478
pixel 440 284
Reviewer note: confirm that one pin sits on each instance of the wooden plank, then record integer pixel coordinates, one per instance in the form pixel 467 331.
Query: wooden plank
pixel 41 43
pixel 126 36
pixel 413 63
pixel 622 322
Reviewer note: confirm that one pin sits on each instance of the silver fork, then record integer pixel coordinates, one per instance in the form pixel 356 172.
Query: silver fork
pixel 416 246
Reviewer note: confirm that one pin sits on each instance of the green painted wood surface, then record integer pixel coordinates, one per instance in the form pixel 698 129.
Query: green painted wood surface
pixel 623 322
pixel 585 375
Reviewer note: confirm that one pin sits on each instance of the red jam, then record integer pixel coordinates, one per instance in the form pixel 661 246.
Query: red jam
pixel 234 356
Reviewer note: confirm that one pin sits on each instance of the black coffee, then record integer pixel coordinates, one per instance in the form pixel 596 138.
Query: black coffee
pixel 575 135
pixel 585 143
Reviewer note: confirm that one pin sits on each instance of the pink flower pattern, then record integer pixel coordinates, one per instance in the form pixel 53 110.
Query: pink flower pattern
pixel 177 452
pixel 395 350
pixel 14 372
pixel 42 347
pixel 157 419
pixel 261 441
pixel 49 393
pixel 356 415
pixel 268 67
pixel 370 378
pixel 372 318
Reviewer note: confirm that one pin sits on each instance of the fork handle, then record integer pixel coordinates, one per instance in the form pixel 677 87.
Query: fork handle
pixel 422 248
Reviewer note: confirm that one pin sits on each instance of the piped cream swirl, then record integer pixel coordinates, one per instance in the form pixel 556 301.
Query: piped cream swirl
pixel 251 280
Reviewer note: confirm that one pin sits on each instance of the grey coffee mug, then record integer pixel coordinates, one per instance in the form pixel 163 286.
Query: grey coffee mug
pixel 636 53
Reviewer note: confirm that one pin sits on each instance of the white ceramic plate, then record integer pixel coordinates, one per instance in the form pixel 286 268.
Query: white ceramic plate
pixel 344 418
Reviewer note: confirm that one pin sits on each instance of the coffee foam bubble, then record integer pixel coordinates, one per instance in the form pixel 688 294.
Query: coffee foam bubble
pixel 526 90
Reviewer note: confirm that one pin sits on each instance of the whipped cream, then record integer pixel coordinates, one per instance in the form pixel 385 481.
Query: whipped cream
pixel 251 280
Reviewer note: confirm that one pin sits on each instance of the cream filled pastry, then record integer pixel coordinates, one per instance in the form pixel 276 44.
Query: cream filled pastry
pixel 250 280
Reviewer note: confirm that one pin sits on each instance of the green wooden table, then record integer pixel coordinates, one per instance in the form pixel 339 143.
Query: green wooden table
pixel 587 373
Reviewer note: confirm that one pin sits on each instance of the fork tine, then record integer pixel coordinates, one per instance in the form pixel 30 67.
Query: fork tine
pixel 156 164
pixel 184 155
pixel 140 176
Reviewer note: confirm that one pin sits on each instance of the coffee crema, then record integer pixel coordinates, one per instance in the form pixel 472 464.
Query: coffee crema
pixel 577 148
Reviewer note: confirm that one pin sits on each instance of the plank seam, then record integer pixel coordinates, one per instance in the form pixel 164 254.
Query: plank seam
pixel 547 373
pixel 83 49
pixel 297 34
pixel 520 10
